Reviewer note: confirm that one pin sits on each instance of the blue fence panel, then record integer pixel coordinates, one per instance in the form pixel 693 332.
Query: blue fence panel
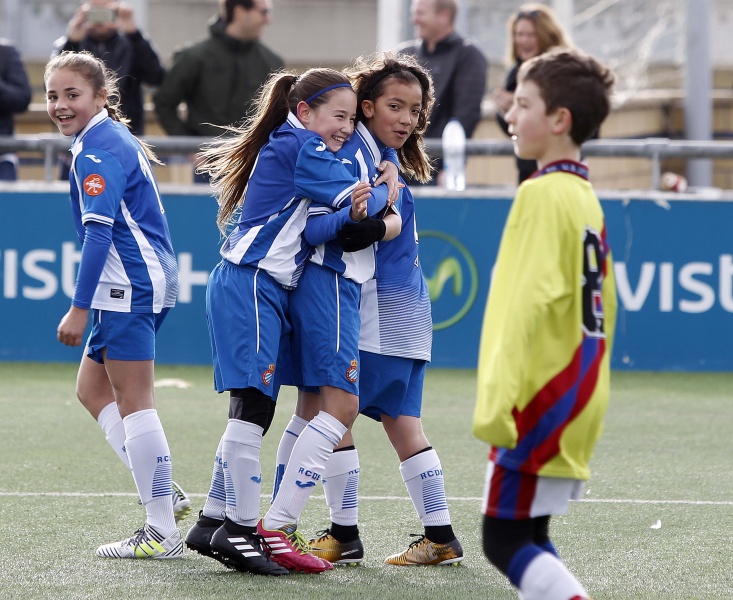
pixel 674 271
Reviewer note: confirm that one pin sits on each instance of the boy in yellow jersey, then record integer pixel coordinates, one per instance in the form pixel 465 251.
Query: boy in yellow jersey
pixel 543 373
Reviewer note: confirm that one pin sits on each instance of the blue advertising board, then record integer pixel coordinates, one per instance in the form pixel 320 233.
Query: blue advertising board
pixel 673 265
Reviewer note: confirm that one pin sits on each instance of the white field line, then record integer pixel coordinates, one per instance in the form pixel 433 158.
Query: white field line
pixel 373 498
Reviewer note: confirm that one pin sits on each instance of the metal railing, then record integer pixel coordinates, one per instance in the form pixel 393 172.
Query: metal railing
pixel 654 149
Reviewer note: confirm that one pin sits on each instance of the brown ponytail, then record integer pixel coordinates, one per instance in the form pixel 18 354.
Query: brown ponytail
pixel 229 160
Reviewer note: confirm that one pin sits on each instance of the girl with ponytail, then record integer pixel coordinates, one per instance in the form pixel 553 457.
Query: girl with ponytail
pixel 266 173
pixel 128 281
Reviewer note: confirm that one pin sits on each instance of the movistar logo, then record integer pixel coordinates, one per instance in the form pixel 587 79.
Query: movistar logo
pixel 448 271
pixel 451 275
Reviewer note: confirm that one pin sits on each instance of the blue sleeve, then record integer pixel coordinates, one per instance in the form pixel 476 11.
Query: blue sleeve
pixel 323 228
pixel 390 154
pixel 377 199
pixel 103 181
pixel 320 176
pixel 97 241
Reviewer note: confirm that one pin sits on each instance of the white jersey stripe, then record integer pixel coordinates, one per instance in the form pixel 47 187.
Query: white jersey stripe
pixel 152 263
pixel 257 309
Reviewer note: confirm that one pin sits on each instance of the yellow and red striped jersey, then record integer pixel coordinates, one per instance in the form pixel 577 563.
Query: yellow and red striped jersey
pixel 544 359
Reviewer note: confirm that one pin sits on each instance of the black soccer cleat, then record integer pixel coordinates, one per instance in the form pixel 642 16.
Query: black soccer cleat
pixel 199 536
pixel 237 547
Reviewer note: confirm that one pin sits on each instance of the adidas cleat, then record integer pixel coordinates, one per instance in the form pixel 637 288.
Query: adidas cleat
pixel 146 542
pixel 329 548
pixel 181 502
pixel 237 547
pixel 424 552
pixel 287 547
pixel 199 536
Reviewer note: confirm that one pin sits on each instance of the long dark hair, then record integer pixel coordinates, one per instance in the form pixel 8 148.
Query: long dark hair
pixel 229 160
pixel 369 76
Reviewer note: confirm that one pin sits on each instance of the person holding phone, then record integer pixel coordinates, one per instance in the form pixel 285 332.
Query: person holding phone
pixel 108 30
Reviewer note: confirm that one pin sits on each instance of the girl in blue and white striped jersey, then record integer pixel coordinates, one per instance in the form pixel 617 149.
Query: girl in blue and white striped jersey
pixel 128 279
pixel 265 175
pixel 395 96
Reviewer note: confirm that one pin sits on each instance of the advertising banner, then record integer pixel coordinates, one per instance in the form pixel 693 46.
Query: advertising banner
pixel 673 266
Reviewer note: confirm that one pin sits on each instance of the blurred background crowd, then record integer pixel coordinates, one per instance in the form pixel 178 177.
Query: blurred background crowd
pixel 645 42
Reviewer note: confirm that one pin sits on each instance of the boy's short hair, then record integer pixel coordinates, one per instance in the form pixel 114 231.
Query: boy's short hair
pixel 567 78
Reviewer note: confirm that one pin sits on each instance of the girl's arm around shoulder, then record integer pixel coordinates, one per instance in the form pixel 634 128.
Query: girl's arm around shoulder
pixel 323 224
pixel 390 174
pixel 321 176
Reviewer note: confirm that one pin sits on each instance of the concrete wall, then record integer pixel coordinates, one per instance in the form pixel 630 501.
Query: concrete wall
pixel 305 34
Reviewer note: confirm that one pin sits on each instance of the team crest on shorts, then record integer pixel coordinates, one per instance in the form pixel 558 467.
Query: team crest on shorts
pixel 352 373
pixel 268 374
pixel 94 184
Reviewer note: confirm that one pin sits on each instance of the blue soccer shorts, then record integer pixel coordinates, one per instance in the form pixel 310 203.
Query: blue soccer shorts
pixel 246 310
pixel 124 335
pixel 390 385
pixel 324 310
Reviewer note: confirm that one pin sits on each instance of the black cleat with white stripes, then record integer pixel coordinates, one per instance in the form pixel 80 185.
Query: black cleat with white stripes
pixel 239 547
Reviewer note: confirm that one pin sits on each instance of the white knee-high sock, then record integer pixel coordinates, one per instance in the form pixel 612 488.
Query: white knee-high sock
pixel 546 577
pixel 285 448
pixel 216 500
pixel 110 421
pixel 240 450
pixel 152 469
pixel 305 468
pixel 423 476
pixel 341 486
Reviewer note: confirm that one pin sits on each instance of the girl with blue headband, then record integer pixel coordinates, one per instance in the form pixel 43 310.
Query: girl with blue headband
pixel 265 175
pixel 395 96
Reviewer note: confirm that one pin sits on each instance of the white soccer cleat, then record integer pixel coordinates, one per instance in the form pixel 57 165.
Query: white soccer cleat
pixel 146 542
pixel 181 502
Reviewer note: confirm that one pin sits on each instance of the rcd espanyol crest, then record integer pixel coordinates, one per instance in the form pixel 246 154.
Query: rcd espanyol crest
pixel 352 373
pixel 268 374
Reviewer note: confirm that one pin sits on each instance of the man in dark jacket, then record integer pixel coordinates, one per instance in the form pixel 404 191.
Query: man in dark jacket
pixel 458 67
pixel 15 96
pixel 108 30
pixel 218 77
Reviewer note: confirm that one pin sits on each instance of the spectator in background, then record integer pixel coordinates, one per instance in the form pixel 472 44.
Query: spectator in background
pixel 108 30
pixel 532 30
pixel 218 77
pixel 458 67
pixel 15 96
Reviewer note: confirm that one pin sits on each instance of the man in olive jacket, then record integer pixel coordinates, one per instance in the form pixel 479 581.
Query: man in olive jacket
pixel 218 77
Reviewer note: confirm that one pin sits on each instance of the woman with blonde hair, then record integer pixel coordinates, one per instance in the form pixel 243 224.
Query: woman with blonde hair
pixel 532 30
